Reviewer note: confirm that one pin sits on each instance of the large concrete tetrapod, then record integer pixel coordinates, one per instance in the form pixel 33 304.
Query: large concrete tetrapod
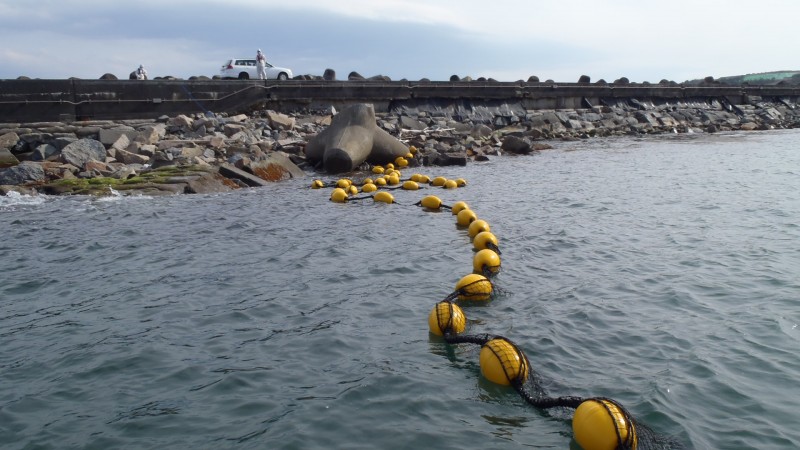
pixel 352 138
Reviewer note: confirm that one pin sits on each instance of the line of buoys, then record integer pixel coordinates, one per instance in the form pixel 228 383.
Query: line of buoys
pixel 598 423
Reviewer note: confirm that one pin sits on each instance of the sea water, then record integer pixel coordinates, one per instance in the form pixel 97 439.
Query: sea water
pixel 662 272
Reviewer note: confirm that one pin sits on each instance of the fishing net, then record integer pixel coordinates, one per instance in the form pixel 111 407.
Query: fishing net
pixel 630 433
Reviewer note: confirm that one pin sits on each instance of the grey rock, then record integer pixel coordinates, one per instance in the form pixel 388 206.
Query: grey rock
pixel 24 172
pixel 82 151
pixel 7 159
pixel 44 152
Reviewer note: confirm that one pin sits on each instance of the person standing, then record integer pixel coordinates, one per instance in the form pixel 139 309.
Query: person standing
pixel 261 65
pixel 141 74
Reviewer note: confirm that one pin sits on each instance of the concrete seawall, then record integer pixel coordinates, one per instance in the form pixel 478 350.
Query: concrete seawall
pixel 70 100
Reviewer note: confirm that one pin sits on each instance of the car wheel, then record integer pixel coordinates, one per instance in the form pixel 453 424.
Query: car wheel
pixel 244 76
pixel 282 76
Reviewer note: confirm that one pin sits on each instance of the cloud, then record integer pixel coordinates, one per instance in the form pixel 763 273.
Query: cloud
pixel 505 40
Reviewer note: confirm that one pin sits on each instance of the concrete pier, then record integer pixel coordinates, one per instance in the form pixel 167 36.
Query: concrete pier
pixel 74 99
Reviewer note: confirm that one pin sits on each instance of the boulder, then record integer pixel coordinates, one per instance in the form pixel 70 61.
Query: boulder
pixel 24 172
pixel 276 167
pixel 209 183
pixel 111 135
pixel 43 152
pixel 280 121
pixel 517 145
pixel 229 171
pixel 9 140
pixel 7 159
pixel 81 151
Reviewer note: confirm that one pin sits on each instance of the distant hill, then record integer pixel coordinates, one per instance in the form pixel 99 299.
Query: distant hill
pixel 791 77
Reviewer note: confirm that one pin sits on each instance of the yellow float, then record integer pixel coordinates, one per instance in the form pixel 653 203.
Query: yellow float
pixel 597 423
pixel 383 197
pixel 339 195
pixel 474 288
pixel 458 206
pixel 465 217
pixel 484 240
pixel 476 227
pixel 486 260
pixel 446 316
pixel 502 362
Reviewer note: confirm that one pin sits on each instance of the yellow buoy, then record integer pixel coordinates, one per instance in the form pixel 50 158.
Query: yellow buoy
pixel 465 217
pixel 409 155
pixel 502 362
pixel 380 181
pixel 596 423
pixel 431 202
pixel 339 195
pixel 400 162
pixel 367 181
pixel 344 183
pixel 413 150
pixel 486 260
pixel 438 181
pixel 316 184
pixel 450 184
pixel 352 190
pixel 377 169
pixel 369 188
pixel 392 179
pixel 483 240
pixel 446 316
pixel 476 227
pixel 461 182
pixel 458 206
pixel 384 197
pixel 410 185
pixel 474 288
pixel 389 166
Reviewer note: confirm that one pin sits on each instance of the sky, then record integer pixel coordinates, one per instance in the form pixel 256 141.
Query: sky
pixel 506 40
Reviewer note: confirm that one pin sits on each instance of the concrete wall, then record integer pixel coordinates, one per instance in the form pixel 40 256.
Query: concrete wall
pixel 68 100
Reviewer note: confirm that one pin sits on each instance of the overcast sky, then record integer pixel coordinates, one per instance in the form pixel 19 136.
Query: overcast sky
pixel 508 40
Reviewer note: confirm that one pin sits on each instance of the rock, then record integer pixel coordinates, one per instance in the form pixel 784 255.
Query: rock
pixel 44 152
pixel 7 159
pixel 81 151
pixel 209 183
pixel 276 167
pixel 108 76
pixel 329 75
pixel 127 157
pixel 517 145
pixel 122 143
pixel 411 124
pixel 748 126
pixel 232 172
pixel 9 140
pixel 280 121
pixel 22 173
pixel 109 136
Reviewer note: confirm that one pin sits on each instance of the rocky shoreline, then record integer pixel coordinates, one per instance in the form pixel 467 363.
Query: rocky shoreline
pixel 218 152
